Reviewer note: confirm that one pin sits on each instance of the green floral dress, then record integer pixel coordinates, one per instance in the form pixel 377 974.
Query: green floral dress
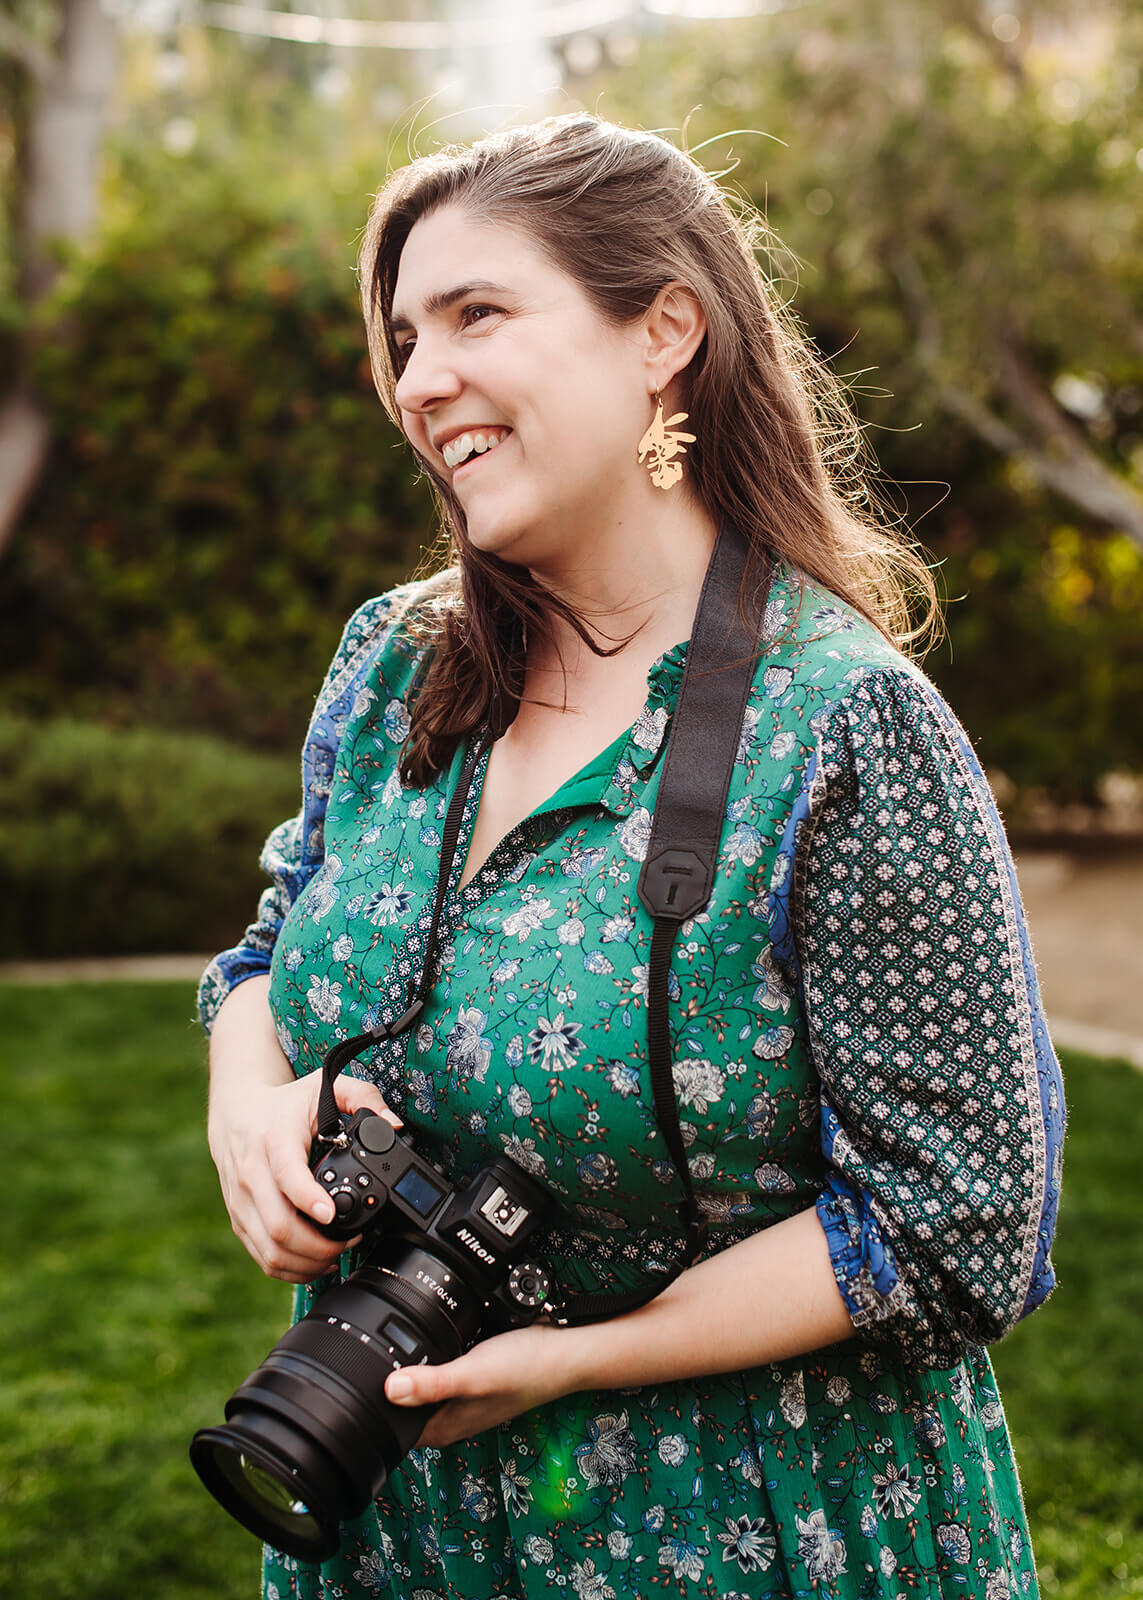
pixel 856 1027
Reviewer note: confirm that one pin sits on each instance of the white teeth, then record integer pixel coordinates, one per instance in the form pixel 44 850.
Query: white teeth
pixel 458 450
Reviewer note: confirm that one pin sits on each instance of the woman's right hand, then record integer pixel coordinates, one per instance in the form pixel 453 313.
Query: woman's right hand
pixel 261 1126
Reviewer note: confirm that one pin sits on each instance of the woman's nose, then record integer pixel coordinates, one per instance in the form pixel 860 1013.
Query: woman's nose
pixel 427 379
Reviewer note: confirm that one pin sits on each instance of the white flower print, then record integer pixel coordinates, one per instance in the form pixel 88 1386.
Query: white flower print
pixel 623 1077
pixel 648 730
pixel 519 1101
pixel 748 1542
pixel 396 721
pixel 887 1561
pixel 673 1449
pixel 782 744
pixel 589 1584
pixel 323 893
pixel 373 1573
pixel 955 1542
pixel 772 994
pixel 635 834
pixel 773 1179
pixel 773 1044
pixel 618 1544
pixel 896 1490
pixel 698 1083
pixel 292 959
pixel 477 1499
pixel 538 1550
pixel 342 947
pixel 554 1045
pixel 287 1041
pixel 469 1052
pixel 683 1557
pixel 324 999
pixel 388 905
pixel 530 916
pixel 524 1153
pixel 515 1487
pixel 792 1399
pixel 822 1550
pixel 608 1455
pixel 746 737
pixel 571 931
pixel 838 1390
pixel 616 928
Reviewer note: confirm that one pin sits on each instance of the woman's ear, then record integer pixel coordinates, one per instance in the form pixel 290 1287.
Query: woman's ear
pixel 674 327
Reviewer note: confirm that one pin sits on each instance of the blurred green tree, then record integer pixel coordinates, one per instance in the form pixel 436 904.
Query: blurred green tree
pixel 957 189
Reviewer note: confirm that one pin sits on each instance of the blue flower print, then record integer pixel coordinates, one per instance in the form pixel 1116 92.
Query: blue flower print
pixel 623 1077
pixel 954 1542
pixel 476 1498
pixel 396 722
pixel 683 1557
pixel 608 1454
pixel 822 1550
pixel 387 906
pixel 582 863
pixel 596 962
pixel 598 1171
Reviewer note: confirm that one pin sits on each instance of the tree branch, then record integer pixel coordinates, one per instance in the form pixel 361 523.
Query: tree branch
pixel 28 51
pixel 1050 446
pixel 25 433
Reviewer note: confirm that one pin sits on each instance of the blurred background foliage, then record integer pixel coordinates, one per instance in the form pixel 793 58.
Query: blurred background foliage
pixel 956 188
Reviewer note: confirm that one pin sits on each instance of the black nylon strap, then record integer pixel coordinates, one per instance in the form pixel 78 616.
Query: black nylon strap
pixel 677 878
pixel 337 1059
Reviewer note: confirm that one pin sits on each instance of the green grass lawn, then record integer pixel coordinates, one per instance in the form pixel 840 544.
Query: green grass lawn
pixel 129 1313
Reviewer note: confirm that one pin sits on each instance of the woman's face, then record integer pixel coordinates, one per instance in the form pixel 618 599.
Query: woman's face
pixel 499 347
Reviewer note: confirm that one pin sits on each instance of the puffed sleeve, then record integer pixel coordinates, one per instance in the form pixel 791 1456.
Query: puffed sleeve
pixel 295 849
pixel 942 1112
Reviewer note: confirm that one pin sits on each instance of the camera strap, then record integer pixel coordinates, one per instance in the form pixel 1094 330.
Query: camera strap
pixel 675 882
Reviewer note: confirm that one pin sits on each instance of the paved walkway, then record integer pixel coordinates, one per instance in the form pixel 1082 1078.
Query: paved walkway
pixel 1086 918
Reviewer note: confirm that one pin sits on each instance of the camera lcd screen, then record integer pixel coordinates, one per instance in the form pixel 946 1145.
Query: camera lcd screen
pixel 416 1191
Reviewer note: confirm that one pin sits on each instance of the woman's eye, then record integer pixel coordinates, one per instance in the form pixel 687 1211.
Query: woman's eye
pixel 477 313
pixel 404 351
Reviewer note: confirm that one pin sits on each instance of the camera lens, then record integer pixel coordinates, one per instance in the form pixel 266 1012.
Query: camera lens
pixel 309 1438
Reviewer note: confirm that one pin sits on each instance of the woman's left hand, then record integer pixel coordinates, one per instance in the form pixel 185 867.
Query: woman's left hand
pixel 497 1380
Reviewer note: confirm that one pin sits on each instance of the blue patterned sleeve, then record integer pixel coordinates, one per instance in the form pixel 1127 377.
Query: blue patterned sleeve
pixel 942 1111
pixel 295 849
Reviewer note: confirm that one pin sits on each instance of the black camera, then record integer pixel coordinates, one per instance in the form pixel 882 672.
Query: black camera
pixel 309 1438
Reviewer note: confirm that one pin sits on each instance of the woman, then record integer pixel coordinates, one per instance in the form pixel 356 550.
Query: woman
pixel 568 323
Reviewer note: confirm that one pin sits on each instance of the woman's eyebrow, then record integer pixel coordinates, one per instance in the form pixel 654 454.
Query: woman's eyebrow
pixel 442 299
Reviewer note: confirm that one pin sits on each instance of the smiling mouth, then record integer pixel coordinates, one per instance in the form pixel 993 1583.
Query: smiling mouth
pixel 468 446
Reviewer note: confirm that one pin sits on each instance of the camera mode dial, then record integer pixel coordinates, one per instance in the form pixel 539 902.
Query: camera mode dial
pixel 529 1285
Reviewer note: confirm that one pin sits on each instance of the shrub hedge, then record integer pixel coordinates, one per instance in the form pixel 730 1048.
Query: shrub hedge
pixel 130 841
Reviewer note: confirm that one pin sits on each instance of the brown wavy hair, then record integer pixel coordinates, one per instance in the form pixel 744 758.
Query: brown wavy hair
pixel 778 451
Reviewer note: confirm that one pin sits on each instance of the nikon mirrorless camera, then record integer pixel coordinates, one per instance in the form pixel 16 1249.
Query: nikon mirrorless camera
pixel 309 1438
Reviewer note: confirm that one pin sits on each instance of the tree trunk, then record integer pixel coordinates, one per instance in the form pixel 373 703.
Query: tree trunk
pixel 64 135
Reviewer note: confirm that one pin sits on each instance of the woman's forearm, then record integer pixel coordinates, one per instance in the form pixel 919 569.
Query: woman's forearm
pixel 244 1048
pixel 766 1299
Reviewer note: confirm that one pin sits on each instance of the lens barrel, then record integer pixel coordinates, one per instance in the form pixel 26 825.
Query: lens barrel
pixel 309 1438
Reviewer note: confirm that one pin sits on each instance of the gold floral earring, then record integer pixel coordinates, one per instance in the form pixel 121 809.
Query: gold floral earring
pixel 660 445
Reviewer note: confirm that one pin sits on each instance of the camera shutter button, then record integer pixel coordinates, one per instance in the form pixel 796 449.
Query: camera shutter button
pixel 376 1135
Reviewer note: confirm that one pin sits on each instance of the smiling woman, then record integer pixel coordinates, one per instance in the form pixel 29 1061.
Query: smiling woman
pixel 571 326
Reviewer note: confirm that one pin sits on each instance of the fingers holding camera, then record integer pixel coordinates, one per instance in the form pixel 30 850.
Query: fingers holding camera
pixel 497 1379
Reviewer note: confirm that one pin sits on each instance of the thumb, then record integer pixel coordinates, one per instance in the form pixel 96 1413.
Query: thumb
pixel 424 1386
pixel 353 1094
